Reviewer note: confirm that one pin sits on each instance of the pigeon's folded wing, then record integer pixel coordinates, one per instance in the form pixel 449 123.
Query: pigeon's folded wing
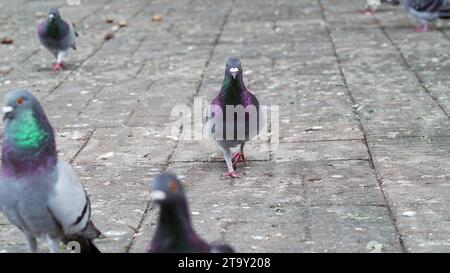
pixel 426 5
pixel 69 203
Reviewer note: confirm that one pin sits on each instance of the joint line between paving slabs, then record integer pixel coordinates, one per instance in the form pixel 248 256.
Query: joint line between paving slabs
pixel 169 158
pixel 416 74
pixel 90 133
pixel 388 208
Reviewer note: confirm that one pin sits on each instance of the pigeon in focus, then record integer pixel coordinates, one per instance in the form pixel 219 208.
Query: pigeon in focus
pixel 371 6
pixel 174 233
pixel 57 36
pixel 234 117
pixel 40 194
pixel 427 11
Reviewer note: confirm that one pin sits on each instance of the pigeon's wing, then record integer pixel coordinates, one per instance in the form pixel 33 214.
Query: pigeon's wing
pixel 68 203
pixel 72 37
pixel 260 115
pixel 392 2
pixel 444 12
pixel 426 5
pixel 214 119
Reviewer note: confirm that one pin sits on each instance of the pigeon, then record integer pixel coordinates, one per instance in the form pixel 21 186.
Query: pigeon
pixel 427 11
pixel 174 233
pixel 233 132
pixel 57 36
pixel 371 6
pixel 40 194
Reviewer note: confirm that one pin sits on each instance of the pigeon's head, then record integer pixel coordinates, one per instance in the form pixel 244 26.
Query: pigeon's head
pixel 25 121
pixel 167 189
pixel 53 15
pixel 233 68
pixel 18 102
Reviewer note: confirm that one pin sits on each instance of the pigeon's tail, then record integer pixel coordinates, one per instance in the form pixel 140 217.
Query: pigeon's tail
pixel 444 12
pixel 218 248
pixel 392 2
pixel 87 246
pixel 85 239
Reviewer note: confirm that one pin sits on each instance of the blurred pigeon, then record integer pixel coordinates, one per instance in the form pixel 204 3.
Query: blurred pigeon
pixel 57 36
pixel 228 124
pixel 40 194
pixel 427 11
pixel 371 6
pixel 174 233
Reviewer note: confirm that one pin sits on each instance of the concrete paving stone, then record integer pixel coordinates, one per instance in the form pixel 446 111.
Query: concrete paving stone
pixel 427 242
pixel 411 157
pixel 125 146
pixel 326 150
pixel 204 150
pixel 352 229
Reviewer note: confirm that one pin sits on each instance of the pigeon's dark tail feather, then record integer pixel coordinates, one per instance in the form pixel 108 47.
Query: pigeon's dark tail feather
pixel 392 2
pixel 88 247
pixel 444 13
pixel 85 239
pixel 218 248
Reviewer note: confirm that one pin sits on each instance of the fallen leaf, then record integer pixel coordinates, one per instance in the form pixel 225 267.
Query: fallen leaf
pixel 157 18
pixel 123 23
pixel 7 41
pixel 109 35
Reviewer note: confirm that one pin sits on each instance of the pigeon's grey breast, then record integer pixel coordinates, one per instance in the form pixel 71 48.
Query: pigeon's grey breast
pixel 62 44
pixel 24 201
pixel 54 203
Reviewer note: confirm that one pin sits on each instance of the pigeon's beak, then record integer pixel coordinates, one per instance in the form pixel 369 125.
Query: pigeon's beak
pixel 234 71
pixel 50 17
pixel 7 112
pixel 158 195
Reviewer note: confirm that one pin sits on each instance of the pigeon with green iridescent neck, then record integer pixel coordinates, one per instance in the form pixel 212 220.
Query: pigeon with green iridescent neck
pixel 174 233
pixel 40 194
pixel 235 116
pixel 57 36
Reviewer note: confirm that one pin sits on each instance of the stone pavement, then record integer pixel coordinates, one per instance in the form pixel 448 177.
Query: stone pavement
pixel 362 164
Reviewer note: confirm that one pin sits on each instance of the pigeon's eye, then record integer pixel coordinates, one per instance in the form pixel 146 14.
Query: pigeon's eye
pixel 20 101
pixel 173 186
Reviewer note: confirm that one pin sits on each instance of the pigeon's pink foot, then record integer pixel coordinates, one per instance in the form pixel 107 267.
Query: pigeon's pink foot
pixel 238 157
pixel 231 174
pixel 58 67
pixel 421 28
pixel 367 11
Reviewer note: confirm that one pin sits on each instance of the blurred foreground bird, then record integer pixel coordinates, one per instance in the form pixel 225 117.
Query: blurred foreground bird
pixel 371 6
pixel 427 11
pixel 234 117
pixel 40 194
pixel 57 36
pixel 174 233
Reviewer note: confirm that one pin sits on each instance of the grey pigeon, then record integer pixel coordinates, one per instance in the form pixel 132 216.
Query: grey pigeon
pixel 230 129
pixel 40 194
pixel 57 36
pixel 174 233
pixel 427 11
